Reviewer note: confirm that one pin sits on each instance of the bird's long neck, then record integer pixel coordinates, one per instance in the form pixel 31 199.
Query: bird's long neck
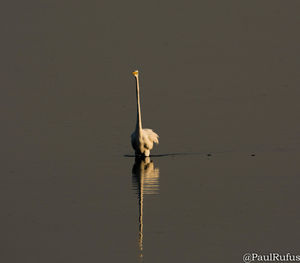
pixel 139 117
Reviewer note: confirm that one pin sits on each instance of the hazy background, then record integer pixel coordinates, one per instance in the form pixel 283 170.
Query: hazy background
pixel 218 77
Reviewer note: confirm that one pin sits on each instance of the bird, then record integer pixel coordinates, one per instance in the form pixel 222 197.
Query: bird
pixel 142 140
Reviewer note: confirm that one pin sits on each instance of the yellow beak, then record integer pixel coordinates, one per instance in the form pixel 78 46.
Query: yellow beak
pixel 135 73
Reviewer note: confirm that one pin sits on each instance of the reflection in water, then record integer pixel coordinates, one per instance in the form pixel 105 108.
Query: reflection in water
pixel 145 179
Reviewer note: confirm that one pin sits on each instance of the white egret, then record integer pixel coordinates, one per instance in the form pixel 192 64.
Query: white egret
pixel 141 139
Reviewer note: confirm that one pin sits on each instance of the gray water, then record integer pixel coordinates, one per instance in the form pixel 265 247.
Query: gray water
pixel 219 84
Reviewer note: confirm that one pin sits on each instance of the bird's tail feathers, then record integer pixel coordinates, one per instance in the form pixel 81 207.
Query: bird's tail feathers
pixel 152 135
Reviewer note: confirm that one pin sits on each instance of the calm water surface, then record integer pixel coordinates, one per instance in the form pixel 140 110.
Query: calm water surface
pixel 219 84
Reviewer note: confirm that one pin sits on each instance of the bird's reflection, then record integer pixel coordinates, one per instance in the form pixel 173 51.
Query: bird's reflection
pixel 145 180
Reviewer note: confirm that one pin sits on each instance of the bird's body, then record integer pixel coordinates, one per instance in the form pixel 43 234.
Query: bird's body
pixel 142 140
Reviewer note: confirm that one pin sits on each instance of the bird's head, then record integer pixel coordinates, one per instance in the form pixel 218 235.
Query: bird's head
pixel 135 73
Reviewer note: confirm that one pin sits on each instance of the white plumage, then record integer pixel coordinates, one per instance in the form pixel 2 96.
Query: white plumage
pixel 142 139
